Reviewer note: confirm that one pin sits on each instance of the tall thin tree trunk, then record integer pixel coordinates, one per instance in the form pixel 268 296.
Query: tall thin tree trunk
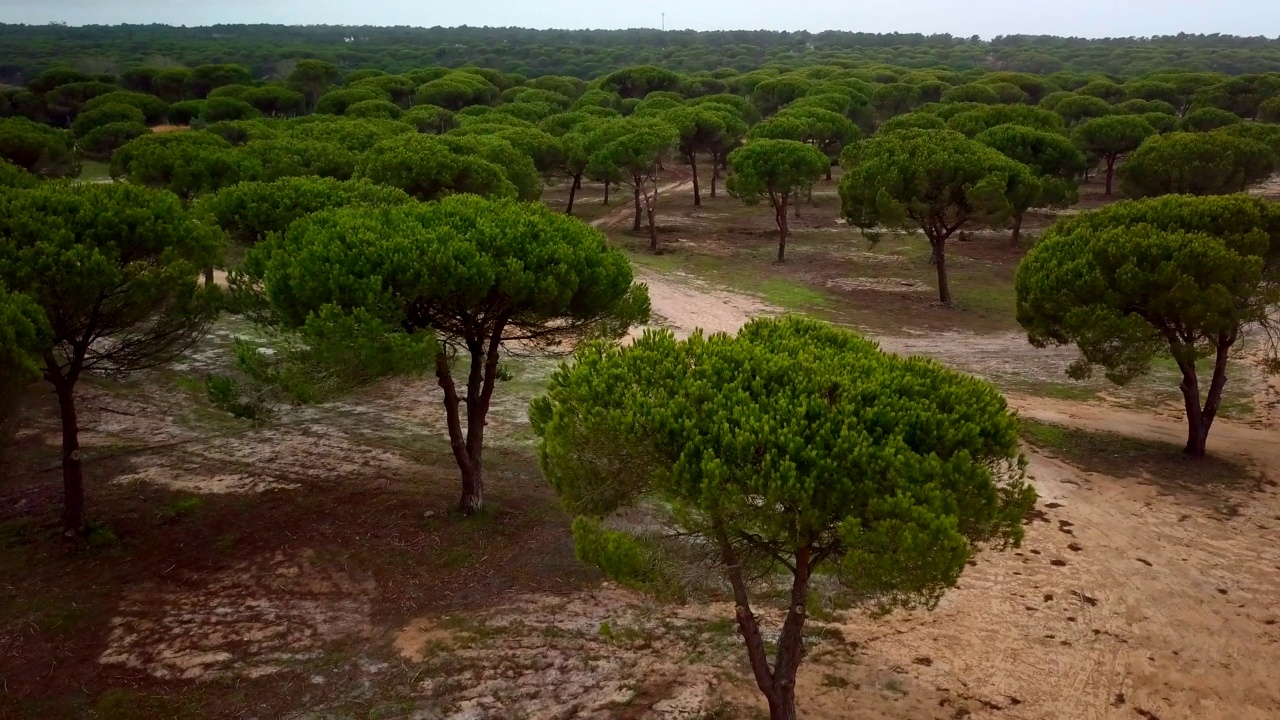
pixel 940 263
pixel 635 226
pixel 697 193
pixel 573 192
pixel 468 448
pixel 72 469
pixel 606 193
pixel 1111 171
pixel 1017 228
pixel 208 276
pixel 650 206
pixel 715 174
pixel 780 216
pixel 796 204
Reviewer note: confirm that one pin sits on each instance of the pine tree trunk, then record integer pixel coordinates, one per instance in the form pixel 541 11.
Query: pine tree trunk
pixel 715 174
pixel 72 469
pixel 606 193
pixel 697 192
pixel 777 684
pixel 1017 229
pixel 780 216
pixel 1200 419
pixel 635 226
pixel 573 193
pixel 940 264
pixel 472 500
pixel 650 208
pixel 208 276
pixel 1111 171
pixel 468 448
pixel 791 643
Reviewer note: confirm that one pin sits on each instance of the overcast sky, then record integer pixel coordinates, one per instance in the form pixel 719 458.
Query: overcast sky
pixel 1089 18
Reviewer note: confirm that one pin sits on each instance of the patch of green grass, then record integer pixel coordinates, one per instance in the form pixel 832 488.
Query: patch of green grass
pixel 94 171
pixel 791 295
pixel 190 384
pixel 51 613
pixel 737 274
pixel 622 633
pixel 122 704
pixel 101 536
pixel 1073 391
pixel 834 681
pixel 226 543
pixel 895 685
pixel 180 507
pixel 456 557
pixel 985 296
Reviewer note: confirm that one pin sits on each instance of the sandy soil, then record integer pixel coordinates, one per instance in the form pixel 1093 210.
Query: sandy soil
pixel 240 622
pixel 684 303
pixel 1127 600
pixel 1131 598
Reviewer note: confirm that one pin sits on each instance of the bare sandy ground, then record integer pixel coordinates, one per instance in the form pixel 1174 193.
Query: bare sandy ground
pixel 1127 600
pixel 1131 598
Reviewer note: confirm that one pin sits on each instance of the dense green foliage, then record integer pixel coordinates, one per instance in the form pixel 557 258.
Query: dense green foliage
pixel 427 168
pixel 267 50
pixel 1111 136
pixel 1204 163
pixel 251 212
pixel 791 452
pixel 1053 158
pixel 39 149
pixel 186 164
pixel 1174 276
pixel 24 339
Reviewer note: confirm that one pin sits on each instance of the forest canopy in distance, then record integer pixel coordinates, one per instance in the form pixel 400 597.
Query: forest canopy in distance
pixel 269 50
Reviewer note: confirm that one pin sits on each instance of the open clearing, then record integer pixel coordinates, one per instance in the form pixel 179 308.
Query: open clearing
pixel 310 568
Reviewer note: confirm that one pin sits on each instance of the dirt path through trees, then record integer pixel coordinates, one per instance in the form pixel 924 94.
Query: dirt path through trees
pixel 1133 597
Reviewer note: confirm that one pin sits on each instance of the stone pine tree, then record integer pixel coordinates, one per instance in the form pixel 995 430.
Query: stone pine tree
pixel 312 78
pixel 1055 160
pixel 464 275
pixel 792 452
pixel 935 181
pixel 633 151
pixel 700 130
pixel 250 212
pixel 1110 137
pixel 775 171
pixel 113 269
pixel 1176 276
pixel 1208 163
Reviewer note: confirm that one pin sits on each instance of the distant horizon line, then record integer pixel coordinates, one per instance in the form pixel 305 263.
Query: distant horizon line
pixel 58 23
